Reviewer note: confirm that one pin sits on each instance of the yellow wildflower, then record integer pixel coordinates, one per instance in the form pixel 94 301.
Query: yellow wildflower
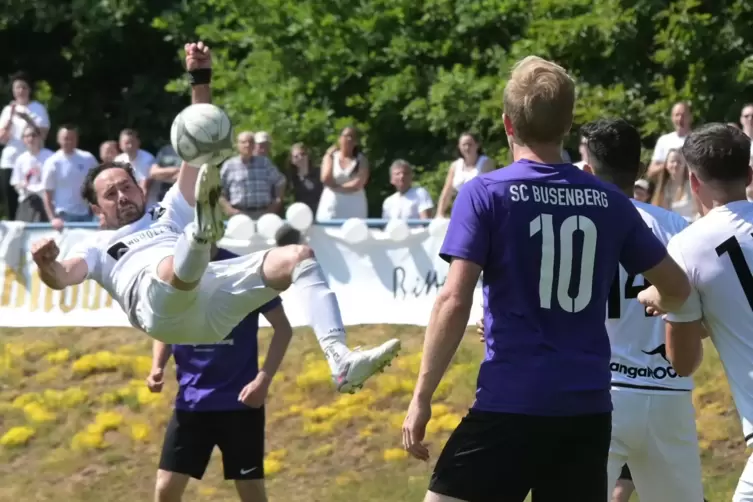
pixel 17 436
pixel 59 356
pixel 393 454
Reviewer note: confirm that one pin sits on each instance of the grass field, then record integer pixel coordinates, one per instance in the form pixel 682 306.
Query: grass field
pixel 77 423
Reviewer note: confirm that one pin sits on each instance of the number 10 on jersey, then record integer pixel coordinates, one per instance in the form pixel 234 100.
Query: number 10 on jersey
pixel 544 224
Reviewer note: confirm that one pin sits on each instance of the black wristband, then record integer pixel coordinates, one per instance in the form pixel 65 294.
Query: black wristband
pixel 202 76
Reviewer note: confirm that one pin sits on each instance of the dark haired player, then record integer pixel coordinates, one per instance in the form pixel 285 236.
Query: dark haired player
pixel 155 263
pixel 653 422
pixel 716 252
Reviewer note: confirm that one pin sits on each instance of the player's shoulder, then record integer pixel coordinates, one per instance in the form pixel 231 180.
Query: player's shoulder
pixel 656 216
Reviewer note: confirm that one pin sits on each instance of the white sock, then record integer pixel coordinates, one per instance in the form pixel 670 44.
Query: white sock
pixel 322 311
pixel 191 258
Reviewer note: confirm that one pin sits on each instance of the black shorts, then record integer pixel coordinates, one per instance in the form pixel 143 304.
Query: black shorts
pixel 501 457
pixel 192 435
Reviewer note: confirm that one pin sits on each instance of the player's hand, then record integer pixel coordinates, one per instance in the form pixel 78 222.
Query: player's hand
pixel 480 329
pixel 650 299
pixel 44 252
pixel 255 393
pixel 414 429
pixel 156 380
pixel 198 56
pixel 57 224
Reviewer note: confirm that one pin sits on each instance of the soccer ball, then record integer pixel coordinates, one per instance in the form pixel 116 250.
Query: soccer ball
pixel 202 134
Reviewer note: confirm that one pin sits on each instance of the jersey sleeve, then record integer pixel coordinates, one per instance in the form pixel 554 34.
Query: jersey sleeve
pixel 469 231
pixel 641 249
pixel 692 310
pixel 88 250
pixel 175 208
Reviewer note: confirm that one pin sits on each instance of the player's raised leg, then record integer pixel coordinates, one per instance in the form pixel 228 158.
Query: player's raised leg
pixel 297 266
pixel 200 188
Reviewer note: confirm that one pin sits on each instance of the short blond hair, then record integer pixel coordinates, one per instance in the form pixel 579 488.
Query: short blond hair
pixel 539 100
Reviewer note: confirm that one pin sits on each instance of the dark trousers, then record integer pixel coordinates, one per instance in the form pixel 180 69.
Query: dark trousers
pixel 8 196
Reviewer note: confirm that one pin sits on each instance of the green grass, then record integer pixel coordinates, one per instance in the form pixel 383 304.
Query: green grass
pixel 321 446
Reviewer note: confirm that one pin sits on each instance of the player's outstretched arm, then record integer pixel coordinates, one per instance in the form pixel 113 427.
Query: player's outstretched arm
pixel 57 274
pixel 683 341
pixel 255 393
pixel 198 62
pixel 449 318
pixel 670 289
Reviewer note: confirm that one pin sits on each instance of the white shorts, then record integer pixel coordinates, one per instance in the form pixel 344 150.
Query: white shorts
pixel 744 490
pixel 228 292
pixel 655 434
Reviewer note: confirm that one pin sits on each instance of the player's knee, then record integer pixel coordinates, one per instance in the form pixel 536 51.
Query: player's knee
pixel 169 486
pixel 251 490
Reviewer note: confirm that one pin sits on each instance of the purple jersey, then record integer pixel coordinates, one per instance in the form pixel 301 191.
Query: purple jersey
pixel 549 239
pixel 210 377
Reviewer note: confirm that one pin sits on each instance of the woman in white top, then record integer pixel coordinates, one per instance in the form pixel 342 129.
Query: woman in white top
pixel 14 118
pixel 673 187
pixel 344 173
pixel 471 162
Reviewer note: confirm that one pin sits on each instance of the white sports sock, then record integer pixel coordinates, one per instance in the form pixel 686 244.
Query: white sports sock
pixel 322 310
pixel 191 258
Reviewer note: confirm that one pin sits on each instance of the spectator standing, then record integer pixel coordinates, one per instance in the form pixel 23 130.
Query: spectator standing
pixel 141 161
pixel 344 174
pixel 164 172
pixel 682 120
pixel 27 178
pixel 408 202
pixel 746 121
pixel 470 164
pixel 108 151
pixel 251 185
pixel 262 144
pixel 673 187
pixel 305 181
pixel 63 174
pixel 14 118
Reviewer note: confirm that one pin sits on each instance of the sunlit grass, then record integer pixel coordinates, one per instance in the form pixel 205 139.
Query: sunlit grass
pixel 74 406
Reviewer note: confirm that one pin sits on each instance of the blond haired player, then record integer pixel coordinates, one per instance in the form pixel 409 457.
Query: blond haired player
pixel 156 263
pixel 543 232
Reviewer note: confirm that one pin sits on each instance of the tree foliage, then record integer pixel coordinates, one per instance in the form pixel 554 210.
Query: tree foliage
pixel 410 74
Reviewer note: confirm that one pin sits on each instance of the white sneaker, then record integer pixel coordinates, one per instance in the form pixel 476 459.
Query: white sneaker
pixel 209 219
pixel 359 365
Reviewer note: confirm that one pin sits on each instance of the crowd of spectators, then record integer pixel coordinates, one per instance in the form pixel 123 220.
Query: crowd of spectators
pixel 39 185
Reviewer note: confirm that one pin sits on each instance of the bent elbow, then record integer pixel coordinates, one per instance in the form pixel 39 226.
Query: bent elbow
pixel 685 368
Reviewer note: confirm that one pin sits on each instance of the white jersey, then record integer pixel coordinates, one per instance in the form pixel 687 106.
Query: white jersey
pixel 117 259
pixel 639 359
pixel 716 252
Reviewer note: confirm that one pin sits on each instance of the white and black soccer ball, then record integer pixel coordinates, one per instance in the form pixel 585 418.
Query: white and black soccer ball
pixel 202 134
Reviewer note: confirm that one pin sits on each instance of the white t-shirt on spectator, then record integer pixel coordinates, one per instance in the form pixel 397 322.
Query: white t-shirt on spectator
pixel 65 174
pixel 28 170
pixel 142 164
pixel 665 143
pixel 408 205
pixel 15 145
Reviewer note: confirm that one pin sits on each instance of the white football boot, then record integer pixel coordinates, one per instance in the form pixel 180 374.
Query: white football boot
pixel 359 365
pixel 209 219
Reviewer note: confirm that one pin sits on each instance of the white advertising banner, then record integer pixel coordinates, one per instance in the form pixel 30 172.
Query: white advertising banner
pixel 377 282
